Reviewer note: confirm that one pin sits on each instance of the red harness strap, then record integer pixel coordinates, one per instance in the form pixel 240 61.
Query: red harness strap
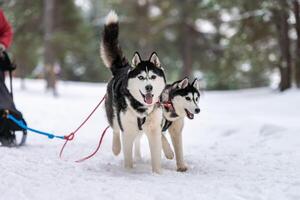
pixel 166 104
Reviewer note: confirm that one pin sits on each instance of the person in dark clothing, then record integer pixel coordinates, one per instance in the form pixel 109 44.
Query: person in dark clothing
pixel 7 137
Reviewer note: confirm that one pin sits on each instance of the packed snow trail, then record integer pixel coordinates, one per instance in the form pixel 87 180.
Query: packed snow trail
pixel 243 145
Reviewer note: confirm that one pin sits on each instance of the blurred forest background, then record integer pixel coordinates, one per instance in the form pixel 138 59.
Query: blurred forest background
pixel 229 44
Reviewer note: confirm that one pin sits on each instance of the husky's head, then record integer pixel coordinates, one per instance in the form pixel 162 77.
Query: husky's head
pixel 146 79
pixel 185 97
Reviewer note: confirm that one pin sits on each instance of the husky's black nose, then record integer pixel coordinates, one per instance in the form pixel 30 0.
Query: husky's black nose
pixel 148 88
pixel 197 110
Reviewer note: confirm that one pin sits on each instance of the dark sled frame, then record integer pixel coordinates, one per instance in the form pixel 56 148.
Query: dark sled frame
pixel 8 106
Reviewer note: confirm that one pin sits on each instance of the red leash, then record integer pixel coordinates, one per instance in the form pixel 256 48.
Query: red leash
pixel 72 134
pixel 98 147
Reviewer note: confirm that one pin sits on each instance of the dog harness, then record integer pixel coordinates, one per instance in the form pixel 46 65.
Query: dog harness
pixel 166 125
pixel 169 107
pixel 140 122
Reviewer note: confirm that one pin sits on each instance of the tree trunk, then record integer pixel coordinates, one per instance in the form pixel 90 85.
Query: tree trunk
pixel 296 11
pixel 186 40
pixel 22 73
pixel 145 47
pixel 22 64
pixel 49 57
pixel 187 51
pixel 285 66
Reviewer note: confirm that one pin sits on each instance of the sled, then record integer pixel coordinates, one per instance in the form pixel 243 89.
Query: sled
pixel 9 131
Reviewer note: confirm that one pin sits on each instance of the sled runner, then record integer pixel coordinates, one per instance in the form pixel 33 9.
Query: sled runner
pixel 8 129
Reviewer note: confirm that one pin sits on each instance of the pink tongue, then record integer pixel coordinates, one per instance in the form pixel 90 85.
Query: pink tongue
pixel 148 98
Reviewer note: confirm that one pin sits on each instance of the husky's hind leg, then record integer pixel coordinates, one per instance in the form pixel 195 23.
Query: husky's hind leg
pixel 166 147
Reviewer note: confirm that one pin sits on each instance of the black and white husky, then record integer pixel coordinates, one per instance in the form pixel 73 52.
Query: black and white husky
pixel 132 96
pixel 182 101
pixel 179 100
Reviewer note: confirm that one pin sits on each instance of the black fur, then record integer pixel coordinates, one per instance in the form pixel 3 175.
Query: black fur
pixel 172 90
pixel 146 65
pixel 166 125
pixel 183 92
pixel 117 91
pixel 140 122
pixel 112 48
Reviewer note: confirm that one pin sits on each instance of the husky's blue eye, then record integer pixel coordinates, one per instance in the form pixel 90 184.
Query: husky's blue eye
pixel 141 78
pixel 153 77
pixel 188 98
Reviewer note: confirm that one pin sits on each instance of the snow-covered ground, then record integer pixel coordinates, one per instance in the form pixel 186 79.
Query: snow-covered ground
pixel 243 145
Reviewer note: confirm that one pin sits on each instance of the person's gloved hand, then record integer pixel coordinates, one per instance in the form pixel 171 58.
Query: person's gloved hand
pixel 2 49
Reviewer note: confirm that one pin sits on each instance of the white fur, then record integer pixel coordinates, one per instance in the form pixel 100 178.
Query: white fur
pixel 116 144
pixel 197 85
pixel 111 18
pixel 136 85
pixel 152 125
pixel 153 131
pixel 135 60
pixel 104 57
pixel 137 148
pixel 175 130
pixel 154 59
pixel 184 83
pixel 180 104
pixel 128 118
pixel 166 147
pixel 132 133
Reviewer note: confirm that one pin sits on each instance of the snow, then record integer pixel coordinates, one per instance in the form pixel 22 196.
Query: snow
pixel 243 145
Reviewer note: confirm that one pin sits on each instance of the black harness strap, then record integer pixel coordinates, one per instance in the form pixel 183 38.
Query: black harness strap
pixel 140 122
pixel 166 125
pixel 11 84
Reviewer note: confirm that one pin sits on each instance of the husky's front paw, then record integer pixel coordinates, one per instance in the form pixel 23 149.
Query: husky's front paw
pixel 157 171
pixel 182 168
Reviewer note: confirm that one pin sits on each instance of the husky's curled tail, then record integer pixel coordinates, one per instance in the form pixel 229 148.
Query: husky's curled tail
pixel 110 50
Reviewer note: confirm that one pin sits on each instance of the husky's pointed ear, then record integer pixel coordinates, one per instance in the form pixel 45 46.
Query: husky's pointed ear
pixel 196 84
pixel 136 59
pixel 154 59
pixel 181 84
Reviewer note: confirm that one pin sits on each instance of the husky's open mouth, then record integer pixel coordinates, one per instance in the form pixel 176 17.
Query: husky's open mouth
pixel 189 114
pixel 148 97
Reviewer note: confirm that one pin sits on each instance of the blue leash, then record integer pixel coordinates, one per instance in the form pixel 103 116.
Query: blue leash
pixel 21 124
